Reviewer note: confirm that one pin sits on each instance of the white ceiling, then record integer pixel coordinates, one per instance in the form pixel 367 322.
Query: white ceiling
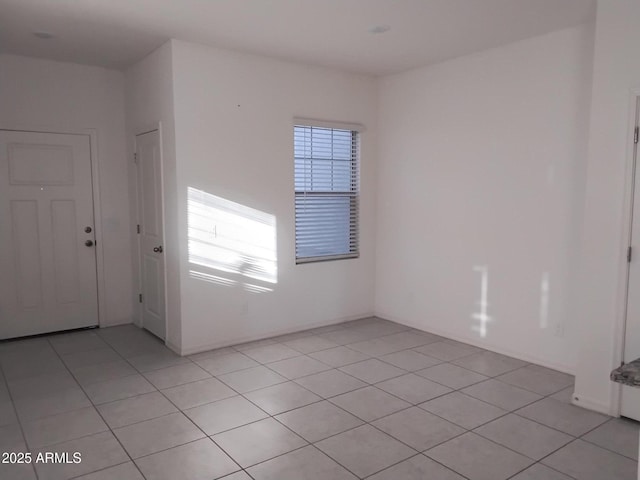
pixel 335 33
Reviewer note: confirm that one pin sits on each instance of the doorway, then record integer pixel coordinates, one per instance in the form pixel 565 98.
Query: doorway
pixel 47 233
pixel 630 397
pixel 150 230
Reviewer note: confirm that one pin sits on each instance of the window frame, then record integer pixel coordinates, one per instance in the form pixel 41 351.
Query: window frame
pixel 353 193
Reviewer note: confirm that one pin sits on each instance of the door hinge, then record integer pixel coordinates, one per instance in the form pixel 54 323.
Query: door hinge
pixel 629 255
pixel 635 134
pixel 140 297
pixel 138 228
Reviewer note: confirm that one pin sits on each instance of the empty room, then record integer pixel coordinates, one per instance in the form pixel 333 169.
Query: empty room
pixel 319 239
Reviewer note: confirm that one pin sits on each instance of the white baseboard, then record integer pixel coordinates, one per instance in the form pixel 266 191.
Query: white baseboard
pixel 486 345
pixel 591 404
pixel 275 333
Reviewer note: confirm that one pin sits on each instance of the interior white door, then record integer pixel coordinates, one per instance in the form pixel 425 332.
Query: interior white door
pixel 630 403
pixel 47 255
pixel 151 242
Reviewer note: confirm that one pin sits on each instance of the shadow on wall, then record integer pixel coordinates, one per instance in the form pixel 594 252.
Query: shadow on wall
pixel 231 244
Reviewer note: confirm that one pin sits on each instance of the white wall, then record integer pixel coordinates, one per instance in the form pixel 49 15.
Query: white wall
pixel 234 137
pixel 43 93
pixel 149 101
pixel 601 300
pixel 481 166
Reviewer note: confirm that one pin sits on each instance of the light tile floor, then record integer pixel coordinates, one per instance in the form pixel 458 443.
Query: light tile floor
pixel 365 399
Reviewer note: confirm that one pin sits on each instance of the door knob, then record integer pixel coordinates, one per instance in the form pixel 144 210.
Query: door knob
pixel 87 229
pixel 158 249
pixel 89 243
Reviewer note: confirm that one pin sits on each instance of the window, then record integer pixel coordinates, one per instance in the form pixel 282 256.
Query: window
pixel 326 192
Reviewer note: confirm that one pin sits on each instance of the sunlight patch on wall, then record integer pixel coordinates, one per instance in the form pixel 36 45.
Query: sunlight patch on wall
pixel 544 300
pixel 233 238
pixel 481 316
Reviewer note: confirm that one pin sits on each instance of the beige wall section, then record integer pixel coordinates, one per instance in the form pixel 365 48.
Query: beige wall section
pixel 149 101
pixel 234 140
pixel 600 304
pixel 481 184
pixel 43 93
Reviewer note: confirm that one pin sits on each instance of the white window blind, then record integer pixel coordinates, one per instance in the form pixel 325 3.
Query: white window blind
pixel 326 193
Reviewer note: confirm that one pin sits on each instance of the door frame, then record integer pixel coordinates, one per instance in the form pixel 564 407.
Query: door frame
pixel 155 126
pixel 92 133
pixel 630 190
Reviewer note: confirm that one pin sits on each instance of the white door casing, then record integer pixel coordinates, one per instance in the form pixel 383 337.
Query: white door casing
pixel 151 236
pixel 48 278
pixel 630 397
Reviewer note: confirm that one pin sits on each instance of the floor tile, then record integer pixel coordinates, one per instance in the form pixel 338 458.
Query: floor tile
pixel 489 363
pixel 43 363
pixel 451 375
pixel 501 394
pixel 413 389
pixel 372 370
pixel 374 347
pixel 135 409
pixel 76 342
pixel 287 337
pixel 63 427
pixel 32 408
pixel 446 351
pixel 298 367
pixel 369 403
pixel 41 385
pixel 365 450
pixel 406 339
pixel 618 435
pixel 198 393
pixel 306 463
pixel 199 460
pixel 310 344
pixel 463 410
pixel 152 436
pixel 345 336
pixel 540 472
pixel 410 360
pixel 11 438
pixel 156 361
pixel 271 353
pixel 222 364
pixel 250 379
pixel 479 459
pixel 256 343
pixel 212 353
pixel 330 383
pixel 282 397
pixel 118 389
pixel 90 357
pixel 7 413
pixel 241 475
pixel 259 441
pixel 102 372
pixel 97 452
pixel 318 421
pixel 419 467
pixel 339 356
pixel 538 379
pixel 417 428
pixel 567 418
pixel 564 396
pixel 225 414
pixel 178 375
pixel 124 471
pixel 18 471
pixel 524 436
pixel 584 461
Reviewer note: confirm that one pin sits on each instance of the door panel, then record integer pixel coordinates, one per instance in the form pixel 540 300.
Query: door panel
pixel 151 232
pixel 48 280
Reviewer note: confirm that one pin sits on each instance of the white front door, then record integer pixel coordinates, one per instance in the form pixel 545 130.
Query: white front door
pixel 47 253
pixel 630 404
pixel 151 244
